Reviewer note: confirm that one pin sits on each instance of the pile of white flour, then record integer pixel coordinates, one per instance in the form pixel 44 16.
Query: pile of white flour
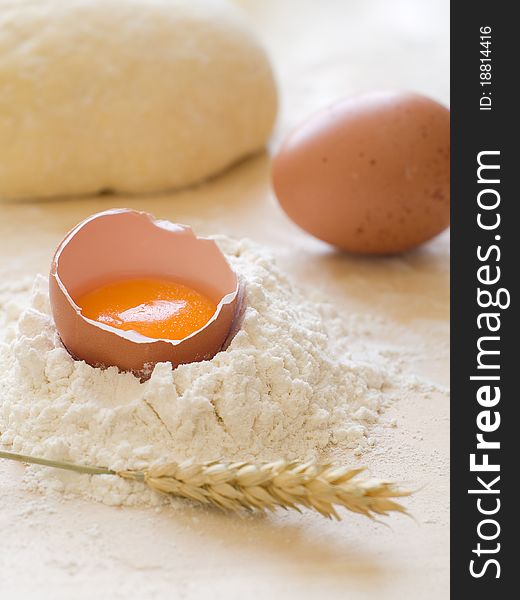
pixel 285 387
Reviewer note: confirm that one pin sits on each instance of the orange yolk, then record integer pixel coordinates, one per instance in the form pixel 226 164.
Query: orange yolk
pixel 156 308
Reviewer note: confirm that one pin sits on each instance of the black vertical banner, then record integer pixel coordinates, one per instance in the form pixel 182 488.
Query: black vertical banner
pixel 485 432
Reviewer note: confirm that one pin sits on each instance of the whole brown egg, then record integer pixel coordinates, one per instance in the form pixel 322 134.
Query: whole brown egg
pixel 370 174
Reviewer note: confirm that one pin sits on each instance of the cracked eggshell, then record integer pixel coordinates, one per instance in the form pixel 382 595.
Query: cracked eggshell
pixel 123 243
pixel 370 174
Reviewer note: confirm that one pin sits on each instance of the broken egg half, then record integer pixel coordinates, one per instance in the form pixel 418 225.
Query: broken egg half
pixel 126 252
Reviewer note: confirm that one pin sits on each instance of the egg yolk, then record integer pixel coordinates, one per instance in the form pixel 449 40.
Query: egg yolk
pixel 156 308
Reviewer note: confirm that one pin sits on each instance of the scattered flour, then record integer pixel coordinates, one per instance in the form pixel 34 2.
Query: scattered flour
pixel 289 385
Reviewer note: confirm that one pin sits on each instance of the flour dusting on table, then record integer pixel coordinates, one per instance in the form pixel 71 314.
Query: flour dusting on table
pixel 287 386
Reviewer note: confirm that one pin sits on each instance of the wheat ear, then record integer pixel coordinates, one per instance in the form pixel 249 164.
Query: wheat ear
pixel 233 486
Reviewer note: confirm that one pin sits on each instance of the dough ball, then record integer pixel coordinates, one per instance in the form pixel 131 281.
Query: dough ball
pixel 127 95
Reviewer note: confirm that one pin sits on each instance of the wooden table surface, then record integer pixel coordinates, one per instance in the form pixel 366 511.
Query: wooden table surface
pixel 63 549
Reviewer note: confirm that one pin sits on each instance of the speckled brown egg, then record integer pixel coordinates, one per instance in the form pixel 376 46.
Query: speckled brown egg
pixel 370 174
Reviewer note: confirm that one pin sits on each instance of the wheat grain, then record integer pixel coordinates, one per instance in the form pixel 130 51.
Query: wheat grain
pixel 234 486
pixel 279 484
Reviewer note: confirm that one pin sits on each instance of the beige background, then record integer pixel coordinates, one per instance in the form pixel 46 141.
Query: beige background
pixel 56 548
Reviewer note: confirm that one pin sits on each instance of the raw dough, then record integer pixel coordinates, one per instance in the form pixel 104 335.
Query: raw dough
pixel 126 95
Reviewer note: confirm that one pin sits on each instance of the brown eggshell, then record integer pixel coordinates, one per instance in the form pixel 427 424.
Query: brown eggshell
pixel 122 243
pixel 370 174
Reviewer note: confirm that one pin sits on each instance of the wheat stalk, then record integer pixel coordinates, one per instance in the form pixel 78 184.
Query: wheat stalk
pixel 233 486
